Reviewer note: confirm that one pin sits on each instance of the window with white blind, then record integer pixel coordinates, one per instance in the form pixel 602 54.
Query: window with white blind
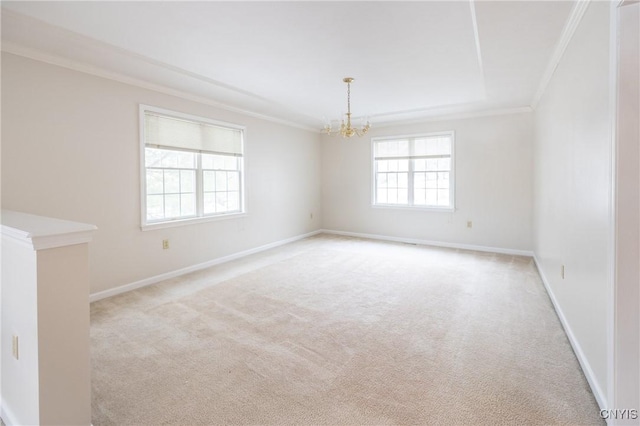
pixel 192 168
pixel 414 171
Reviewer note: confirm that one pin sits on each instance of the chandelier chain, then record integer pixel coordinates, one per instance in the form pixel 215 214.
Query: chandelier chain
pixel 349 98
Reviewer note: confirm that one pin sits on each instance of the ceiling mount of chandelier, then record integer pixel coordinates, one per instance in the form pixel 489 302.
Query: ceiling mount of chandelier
pixel 346 131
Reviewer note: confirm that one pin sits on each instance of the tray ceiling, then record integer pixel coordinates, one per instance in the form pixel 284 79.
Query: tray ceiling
pixel 286 60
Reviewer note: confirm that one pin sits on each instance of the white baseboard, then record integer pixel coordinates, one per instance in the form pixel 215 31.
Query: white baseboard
pixel 7 415
pixel 431 243
pixel 577 349
pixel 172 274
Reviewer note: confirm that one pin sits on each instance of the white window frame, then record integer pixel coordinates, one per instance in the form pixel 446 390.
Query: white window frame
pixel 410 206
pixel 199 218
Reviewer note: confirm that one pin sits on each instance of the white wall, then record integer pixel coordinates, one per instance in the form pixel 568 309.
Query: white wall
pixel 70 150
pixel 627 321
pixel 493 187
pixel 572 191
pixel 64 361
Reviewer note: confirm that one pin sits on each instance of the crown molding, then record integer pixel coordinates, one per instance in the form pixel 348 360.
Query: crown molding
pixel 40 56
pixel 567 34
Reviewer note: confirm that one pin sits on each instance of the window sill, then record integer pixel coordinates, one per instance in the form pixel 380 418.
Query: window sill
pixel 192 221
pixel 415 208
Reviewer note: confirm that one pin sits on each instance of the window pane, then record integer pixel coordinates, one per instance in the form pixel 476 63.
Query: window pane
pixel 382 180
pixel 432 164
pixel 431 180
pixel 172 205
pixel 171 181
pixel 233 181
pixel 234 201
pixel 187 205
pixel 403 196
pixel 383 165
pixel 392 179
pixel 221 181
pixel 443 180
pixel 209 180
pixel 420 165
pixel 231 163
pixel 443 197
pixel 444 164
pixel 187 181
pixel 221 201
pixel 403 180
pixel 155 207
pixel 207 161
pixel 169 158
pixel 403 165
pixel 392 196
pixel 186 160
pixel 419 197
pixel 152 157
pixel 218 162
pixel 393 165
pixel 209 201
pixel 381 196
pixel 432 197
pixel 154 182
pixel 419 180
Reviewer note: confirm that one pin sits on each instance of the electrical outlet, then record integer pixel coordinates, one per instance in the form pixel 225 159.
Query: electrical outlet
pixel 14 347
pixel 562 271
pixel 469 224
pixel 165 244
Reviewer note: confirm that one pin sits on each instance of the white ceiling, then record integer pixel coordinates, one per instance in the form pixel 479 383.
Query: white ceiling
pixel 286 60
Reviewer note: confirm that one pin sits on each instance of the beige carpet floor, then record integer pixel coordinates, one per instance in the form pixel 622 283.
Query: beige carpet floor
pixel 336 330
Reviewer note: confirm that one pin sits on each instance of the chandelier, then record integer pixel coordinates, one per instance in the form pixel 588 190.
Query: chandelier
pixel 346 131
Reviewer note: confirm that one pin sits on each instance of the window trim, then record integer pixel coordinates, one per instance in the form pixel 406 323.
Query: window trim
pixel 452 188
pixel 171 223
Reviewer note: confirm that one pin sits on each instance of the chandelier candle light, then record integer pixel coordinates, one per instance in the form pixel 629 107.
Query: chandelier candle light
pixel 345 128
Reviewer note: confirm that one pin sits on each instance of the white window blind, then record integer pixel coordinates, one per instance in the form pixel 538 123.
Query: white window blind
pixel 162 131
pixel 419 147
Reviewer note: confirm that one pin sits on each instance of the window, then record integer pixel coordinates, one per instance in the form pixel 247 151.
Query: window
pixel 192 168
pixel 414 171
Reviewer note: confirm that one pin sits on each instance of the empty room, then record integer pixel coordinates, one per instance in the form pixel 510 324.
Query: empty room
pixel 342 212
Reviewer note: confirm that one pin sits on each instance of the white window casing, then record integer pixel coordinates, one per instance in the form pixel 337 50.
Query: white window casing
pixel 192 169
pixel 414 171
